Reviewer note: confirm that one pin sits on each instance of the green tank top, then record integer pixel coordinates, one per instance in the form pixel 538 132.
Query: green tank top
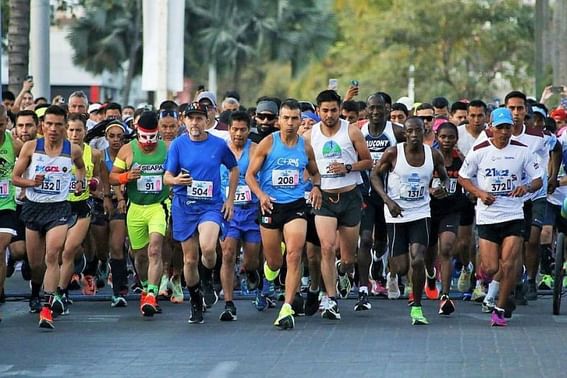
pixel 89 169
pixel 149 188
pixel 7 161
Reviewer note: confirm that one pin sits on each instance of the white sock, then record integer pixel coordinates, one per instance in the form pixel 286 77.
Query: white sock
pixel 493 289
pixel 363 289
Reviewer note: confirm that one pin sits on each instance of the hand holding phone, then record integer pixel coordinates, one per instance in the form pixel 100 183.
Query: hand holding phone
pixel 557 90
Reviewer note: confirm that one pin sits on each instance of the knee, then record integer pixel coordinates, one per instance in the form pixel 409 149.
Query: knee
pixel 489 268
pixel 418 262
pixel 228 256
pixel 327 250
pixel 209 259
pixel 154 251
pixel 51 258
pixel 274 262
pixel 293 257
pixel 190 260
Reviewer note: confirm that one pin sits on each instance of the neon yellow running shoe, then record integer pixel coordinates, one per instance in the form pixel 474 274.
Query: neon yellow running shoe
pixel 285 319
pixel 417 317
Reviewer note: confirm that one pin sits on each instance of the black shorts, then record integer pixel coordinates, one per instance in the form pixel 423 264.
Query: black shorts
pixel 444 223
pixel 99 218
pixel 538 212
pixel 42 217
pixel 284 213
pixel 402 235
pixel 528 207
pixel 467 214
pixel 8 223
pixel 80 209
pixel 346 207
pixel 20 226
pixel 559 222
pixel 497 232
pixel 373 217
pixel 312 236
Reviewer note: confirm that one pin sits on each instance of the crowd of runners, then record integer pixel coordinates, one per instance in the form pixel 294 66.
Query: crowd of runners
pixel 311 200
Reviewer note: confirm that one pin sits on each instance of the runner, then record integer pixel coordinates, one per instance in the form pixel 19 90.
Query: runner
pixel 410 166
pixel 198 210
pixel 498 166
pixel 140 165
pixel 280 160
pixel 44 168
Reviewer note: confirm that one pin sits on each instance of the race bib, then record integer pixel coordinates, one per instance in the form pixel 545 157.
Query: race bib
pixel 243 195
pixel 326 170
pixel 285 178
pixel 376 156
pixel 73 184
pixel 51 184
pixel 200 190
pixel 150 184
pixel 500 186
pixel 4 188
pixel 452 185
pixel 412 191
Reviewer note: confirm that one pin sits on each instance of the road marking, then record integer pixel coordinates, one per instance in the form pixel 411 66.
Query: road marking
pixel 223 369
pixel 54 370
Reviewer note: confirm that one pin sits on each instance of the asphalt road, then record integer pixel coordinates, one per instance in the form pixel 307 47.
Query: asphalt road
pixel 100 341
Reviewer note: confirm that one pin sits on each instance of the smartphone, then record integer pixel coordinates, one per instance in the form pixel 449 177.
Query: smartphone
pixel 557 89
pixel 185 171
pixel 333 84
pixel 29 78
pixel 354 83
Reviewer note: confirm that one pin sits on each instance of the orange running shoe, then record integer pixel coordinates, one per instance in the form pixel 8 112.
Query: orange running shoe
pixel 431 291
pixel 89 285
pixel 46 318
pixel 410 299
pixel 148 305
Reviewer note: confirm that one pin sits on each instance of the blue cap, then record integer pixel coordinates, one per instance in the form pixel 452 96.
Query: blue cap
pixel 501 116
pixel 311 115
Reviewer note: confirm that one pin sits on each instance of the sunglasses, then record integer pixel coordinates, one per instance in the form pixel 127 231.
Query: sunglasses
pixel 269 117
pixel 168 113
pixel 426 118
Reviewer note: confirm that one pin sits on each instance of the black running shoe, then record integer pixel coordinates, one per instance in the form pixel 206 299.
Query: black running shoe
pixel 229 313
pixel 35 305
pixel 298 305
pixel 10 266
pixel 362 304
pixel 196 309
pixel 312 303
pixel 520 294
pixel 209 293
pixel 331 310
pixel 531 291
pixel 510 307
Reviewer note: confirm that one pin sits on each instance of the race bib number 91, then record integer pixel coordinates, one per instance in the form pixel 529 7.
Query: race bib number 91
pixel 150 184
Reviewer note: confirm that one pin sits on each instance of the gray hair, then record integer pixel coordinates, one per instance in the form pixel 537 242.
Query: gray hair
pixel 80 94
pixel 230 101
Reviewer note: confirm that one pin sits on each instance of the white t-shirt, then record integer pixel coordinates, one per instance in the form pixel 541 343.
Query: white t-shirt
pixel 498 172
pixel 466 140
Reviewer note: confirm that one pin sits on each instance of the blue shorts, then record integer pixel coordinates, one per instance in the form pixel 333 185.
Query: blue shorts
pixel 187 218
pixel 244 224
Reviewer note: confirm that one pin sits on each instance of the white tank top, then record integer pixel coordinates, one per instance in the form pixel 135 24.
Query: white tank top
pixel 379 143
pixel 56 171
pixel 408 186
pixel 338 148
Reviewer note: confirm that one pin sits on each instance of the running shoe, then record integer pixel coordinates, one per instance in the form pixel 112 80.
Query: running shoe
pixel 431 290
pixel 229 313
pixel 510 307
pixel 148 305
pixel 164 290
pixel 323 302
pixel 46 318
pixel 118 301
pixel 411 300
pixel 446 305
pixel 265 298
pixel 35 305
pixel 10 266
pixel 102 274
pixel 362 304
pixel 57 306
pixel 497 318
pixel 253 280
pixel 392 285
pixel 520 294
pixel 176 290
pixel 344 286
pixel 75 283
pixel 546 282
pixel 196 310
pixel 331 310
pixel 312 303
pixel 285 318
pixel 417 317
pixel 136 287
pixel 2 296
pixel 298 305
pixel 479 293
pixel 89 285
pixel 464 282
pixel 488 305
pixel 531 291
pixel 377 288
pixel 209 294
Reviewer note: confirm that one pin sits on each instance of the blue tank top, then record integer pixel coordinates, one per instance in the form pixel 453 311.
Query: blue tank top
pixel 244 195
pixel 108 160
pixel 281 176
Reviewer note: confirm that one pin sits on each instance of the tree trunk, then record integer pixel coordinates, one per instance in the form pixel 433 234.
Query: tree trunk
pixel 213 76
pixel 18 44
pixel 560 58
pixel 133 53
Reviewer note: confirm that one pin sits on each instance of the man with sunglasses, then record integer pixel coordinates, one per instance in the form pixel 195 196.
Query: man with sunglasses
pixel 426 113
pixel 266 118
pixel 493 172
pixel 139 166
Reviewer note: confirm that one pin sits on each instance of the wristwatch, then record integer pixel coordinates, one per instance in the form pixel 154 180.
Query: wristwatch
pixel 348 168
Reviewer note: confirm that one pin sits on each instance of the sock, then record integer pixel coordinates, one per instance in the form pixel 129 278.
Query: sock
pixel 316 291
pixel 493 289
pixel 363 289
pixel 119 277
pixel 194 290
pixel 144 285
pixel 270 274
pixel 90 269
pixel 35 289
pixel 153 289
pixel 206 274
pixel 229 303
pixel 531 280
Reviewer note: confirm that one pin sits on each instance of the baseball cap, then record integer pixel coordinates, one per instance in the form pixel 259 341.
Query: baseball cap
pixel 207 95
pixel 539 110
pixel 267 106
pixel 148 122
pixel 501 116
pixel 406 101
pixel 196 107
pixel 94 107
pixel 559 114
pixel 40 112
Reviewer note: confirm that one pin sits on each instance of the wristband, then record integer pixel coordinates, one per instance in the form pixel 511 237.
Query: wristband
pixel 317 186
pixel 123 178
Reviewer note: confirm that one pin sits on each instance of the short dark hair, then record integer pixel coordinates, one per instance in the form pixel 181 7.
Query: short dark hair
pixel 448 125
pixel 239 115
pixel 27 113
pixel 550 125
pixel 166 105
pixel 415 119
pixel 306 106
pixel 290 103
pixel 387 98
pixel 328 95
pixel 515 94
pixel 350 106
pixel 440 102
pixel 78 117
pixel 56 110
pixel 424 106
pixel 477 104
pixel 8 95
pixel 38 99
pixel 114 106
pixel 361 105
pixel 400 107
pixel 233 94
pixel 458 105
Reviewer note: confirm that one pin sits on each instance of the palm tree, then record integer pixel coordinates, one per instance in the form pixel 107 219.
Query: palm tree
pixel 18 43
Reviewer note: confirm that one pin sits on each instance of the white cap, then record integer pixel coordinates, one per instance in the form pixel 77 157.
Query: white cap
pixel 94 107
pixel 406 101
